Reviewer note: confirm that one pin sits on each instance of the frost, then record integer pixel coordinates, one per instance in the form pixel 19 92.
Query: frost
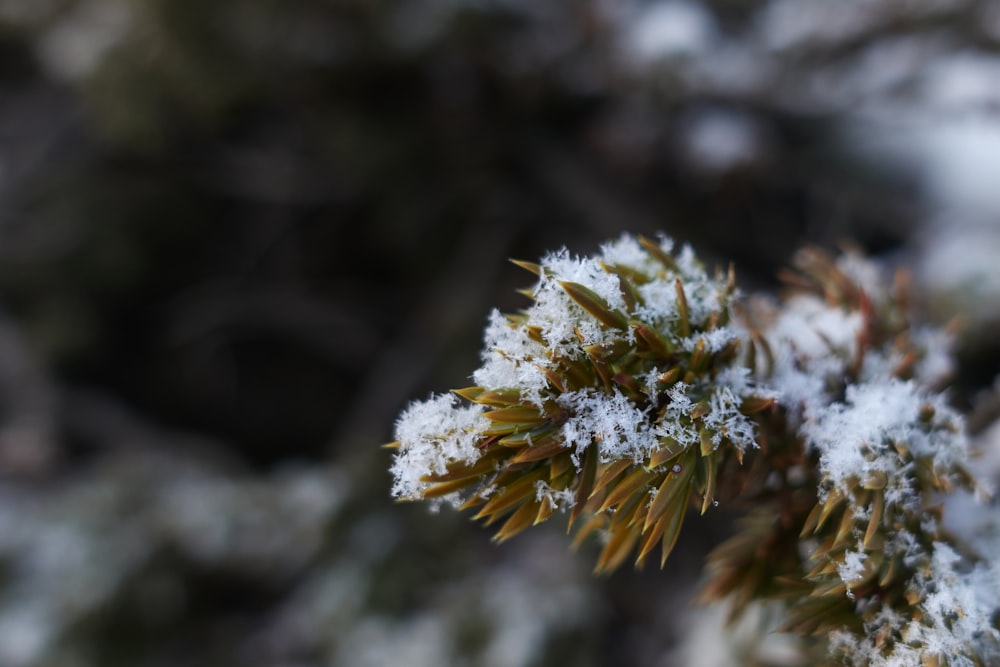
pixel 857 437
pixel 813 329
pixel 659 303
pixel 556 498
pixel 953 623
pixel 563 322
pixel 620 429
pixel 740 383
pixel 431 435
pixel 811 341
pixel 512 359
pixel 587 271
pixel 627 251
pixel 853 566
pixel 650 384
pixel 676 422
pixel 714 340
pixel 856 408
pixel 959 607
pixel 704 294
pixel 727 422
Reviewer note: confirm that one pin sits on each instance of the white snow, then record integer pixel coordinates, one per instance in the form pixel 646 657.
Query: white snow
pixel 562 320
pixel 856 438
pixel 864 426
pixel 432 434
pixel 620 429
pixel 511 359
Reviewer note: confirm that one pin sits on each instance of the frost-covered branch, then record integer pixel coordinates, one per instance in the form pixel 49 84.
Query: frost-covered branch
pixel 638 385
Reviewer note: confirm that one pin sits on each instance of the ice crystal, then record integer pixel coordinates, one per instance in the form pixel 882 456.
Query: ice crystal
pixel 879 430
pixel 434 434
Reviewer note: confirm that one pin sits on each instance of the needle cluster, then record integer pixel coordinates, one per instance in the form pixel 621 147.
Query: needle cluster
pixel 637 386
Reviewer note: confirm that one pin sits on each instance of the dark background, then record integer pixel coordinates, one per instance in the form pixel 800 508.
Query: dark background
pixel 236 238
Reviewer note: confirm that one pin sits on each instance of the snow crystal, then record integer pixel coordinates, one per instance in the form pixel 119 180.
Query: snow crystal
pixel 955 621
pixel 853 567
pixel 688 263
pixel 659 309
pixel 557 498
pixel 649 382
pixel 627 251
pixel 619 427
pixel 511 359
pixel 812 329
pixel 432 434
pixel 726 421
pixel 704 297
pixel 810 341
pixel 676 420
pixel 560 318
pixel 587 271
pixel 855 438
pixel 738 380
pixel 714 340
pixel 935 363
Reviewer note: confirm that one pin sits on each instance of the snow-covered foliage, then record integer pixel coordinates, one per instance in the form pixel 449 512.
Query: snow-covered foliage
pixel 629 390
pixel 620 381
pixel 522 356
pixel 440 431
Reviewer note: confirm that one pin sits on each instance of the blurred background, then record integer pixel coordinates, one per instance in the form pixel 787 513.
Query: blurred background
pixel 238 237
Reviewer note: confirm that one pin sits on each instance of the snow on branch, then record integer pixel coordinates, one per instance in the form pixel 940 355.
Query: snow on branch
pixel 636 386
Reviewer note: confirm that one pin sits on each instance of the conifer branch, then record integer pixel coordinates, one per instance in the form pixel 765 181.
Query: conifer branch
pixel 635 388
